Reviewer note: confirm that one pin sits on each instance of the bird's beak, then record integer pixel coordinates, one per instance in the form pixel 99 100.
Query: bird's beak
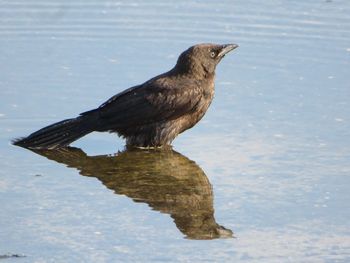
pixel 227 48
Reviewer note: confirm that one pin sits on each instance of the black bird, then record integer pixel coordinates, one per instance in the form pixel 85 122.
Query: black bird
pixel 148 115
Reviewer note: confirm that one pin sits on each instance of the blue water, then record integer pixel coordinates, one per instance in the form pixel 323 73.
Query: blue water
pixel 271 156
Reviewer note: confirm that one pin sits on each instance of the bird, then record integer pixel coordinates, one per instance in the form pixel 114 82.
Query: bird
pixel 149 115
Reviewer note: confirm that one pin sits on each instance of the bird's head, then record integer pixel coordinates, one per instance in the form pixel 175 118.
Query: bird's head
pixel 202 59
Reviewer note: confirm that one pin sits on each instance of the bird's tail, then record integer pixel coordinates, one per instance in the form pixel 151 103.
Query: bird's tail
pixel 57 135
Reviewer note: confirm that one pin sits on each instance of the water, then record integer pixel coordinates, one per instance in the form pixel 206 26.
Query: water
pixel 269 161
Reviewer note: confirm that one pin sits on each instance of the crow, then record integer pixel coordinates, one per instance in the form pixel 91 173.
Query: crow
pixel 148 115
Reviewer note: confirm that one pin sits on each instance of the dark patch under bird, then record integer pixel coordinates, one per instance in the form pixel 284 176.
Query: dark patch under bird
pixel 148 115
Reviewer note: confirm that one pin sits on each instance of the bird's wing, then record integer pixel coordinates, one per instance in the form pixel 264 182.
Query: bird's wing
pixel 149 103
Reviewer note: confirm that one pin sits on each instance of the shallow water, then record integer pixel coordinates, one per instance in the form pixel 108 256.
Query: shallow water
pixel 269 161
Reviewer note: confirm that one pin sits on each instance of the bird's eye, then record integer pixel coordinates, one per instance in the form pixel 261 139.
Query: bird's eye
pixel 212 54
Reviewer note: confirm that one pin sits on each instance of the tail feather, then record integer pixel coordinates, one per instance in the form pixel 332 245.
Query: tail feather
pixel 57 135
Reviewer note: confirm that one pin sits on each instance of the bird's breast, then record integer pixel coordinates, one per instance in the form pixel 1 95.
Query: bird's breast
pixel 189 120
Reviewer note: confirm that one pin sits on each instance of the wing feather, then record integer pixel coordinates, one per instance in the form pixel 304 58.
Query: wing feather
pixel 151 102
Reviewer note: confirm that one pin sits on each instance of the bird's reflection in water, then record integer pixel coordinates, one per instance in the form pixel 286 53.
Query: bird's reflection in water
pixel 164 179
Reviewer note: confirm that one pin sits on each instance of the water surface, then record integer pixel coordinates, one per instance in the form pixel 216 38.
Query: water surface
pixel 264 177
